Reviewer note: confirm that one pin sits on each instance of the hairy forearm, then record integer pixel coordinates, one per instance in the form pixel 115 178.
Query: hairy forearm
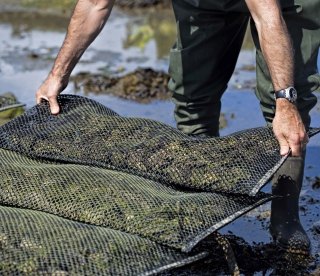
pixel 275 41
pixel 87 21
pixel 278 53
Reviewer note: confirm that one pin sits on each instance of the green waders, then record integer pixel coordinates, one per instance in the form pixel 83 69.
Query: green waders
pixel 210 35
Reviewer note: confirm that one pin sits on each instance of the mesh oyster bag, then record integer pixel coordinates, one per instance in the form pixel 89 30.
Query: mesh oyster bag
pixel 88 133
pixel 85 190
pixel 37 243
pixel 9 108
pixel 124 202
pixel 8 101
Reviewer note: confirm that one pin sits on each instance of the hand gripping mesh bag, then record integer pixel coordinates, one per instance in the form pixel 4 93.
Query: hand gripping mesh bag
pixel 91 192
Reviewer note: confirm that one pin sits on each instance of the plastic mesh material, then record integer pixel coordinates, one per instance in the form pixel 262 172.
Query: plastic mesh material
pixel 118 200
pixel 36 243
pixel 125 195
pixel 90 134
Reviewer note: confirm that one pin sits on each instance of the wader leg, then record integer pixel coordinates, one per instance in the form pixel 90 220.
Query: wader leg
pixel 202 62
pixel 285 223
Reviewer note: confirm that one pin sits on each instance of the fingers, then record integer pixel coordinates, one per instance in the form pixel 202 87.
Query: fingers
pixel 289 129
pixel 291 140
pixel 300 143
pixel 295 142
pixel 295 145
pixel 49 91
pixel 54 106
pixel 40 98
pixel 284 145
pixel 53 103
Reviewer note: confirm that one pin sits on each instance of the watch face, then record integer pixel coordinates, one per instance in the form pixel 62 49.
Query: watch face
pixel 291 94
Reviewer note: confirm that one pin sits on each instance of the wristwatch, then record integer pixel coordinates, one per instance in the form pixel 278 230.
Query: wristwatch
pixel 289 93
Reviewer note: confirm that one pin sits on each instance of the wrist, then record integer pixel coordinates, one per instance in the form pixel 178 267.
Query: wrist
pixel 285 108
pixel 289 94
pixel 284 103
pixel 58 76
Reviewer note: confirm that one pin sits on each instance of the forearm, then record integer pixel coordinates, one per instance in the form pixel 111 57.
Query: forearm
pixel 277 50
pixel 87 21
pixel 275 41
pixel 278 55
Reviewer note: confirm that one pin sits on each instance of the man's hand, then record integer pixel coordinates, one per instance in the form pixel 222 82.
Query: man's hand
pixel 49 91
pixel 86 23
pixel 288 128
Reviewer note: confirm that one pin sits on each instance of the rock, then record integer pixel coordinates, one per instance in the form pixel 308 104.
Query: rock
pixel 222 121
pixel 316 184
pixel 142 85
pixel 316 227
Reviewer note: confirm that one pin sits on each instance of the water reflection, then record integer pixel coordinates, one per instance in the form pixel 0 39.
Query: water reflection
pixel 151 27
pixel 154 26
pixel 141 29
pixel 25 22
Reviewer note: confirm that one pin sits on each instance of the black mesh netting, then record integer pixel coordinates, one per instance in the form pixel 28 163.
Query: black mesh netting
pixel 90 134
pixel 137 185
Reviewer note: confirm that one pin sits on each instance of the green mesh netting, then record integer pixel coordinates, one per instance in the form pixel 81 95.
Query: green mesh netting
pixel 36 243
pixel 145 186
pixel 118 200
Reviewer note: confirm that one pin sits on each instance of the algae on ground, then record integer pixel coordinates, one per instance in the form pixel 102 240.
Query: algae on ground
pixel 9 108
pixel 53 4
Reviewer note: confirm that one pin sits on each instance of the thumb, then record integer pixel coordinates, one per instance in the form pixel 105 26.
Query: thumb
pixel 54 106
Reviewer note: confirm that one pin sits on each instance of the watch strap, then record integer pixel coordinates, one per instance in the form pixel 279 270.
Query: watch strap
pixel 289 93
pixel 280 94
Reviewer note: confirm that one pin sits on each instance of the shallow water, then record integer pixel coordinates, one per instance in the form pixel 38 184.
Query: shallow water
pixel 29 42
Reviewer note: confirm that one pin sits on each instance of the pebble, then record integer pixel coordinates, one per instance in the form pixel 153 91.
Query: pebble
pixel 316 227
